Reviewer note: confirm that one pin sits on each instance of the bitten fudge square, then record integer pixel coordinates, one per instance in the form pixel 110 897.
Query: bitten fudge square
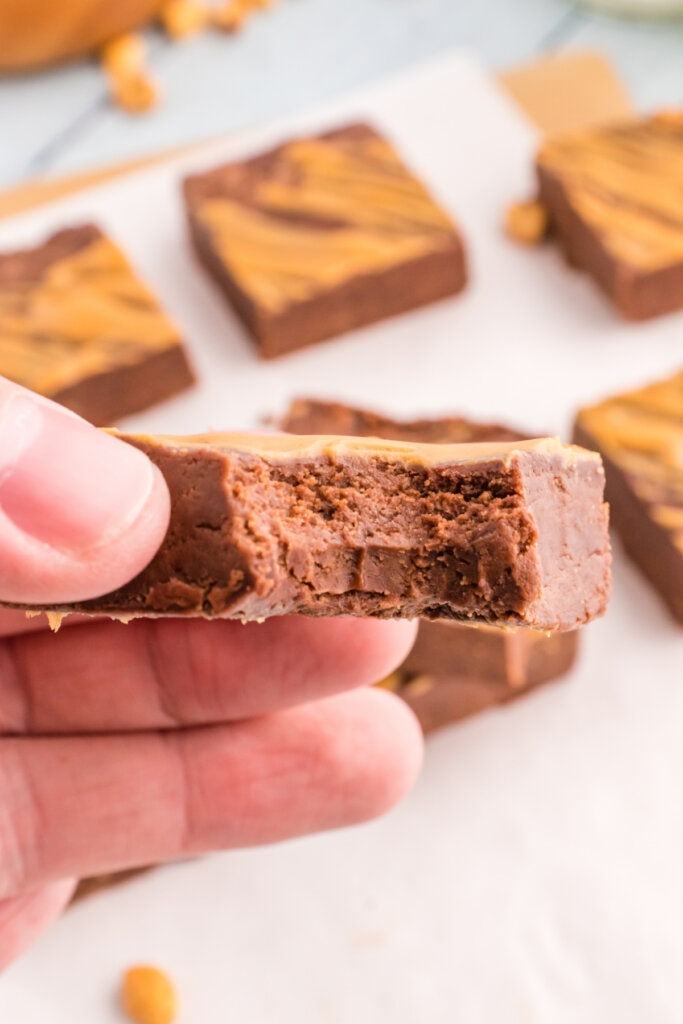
pixel 453 670
pixel 322 235
pixel 79 327
pixel 614 196
pixel 640 437
pixel 276 525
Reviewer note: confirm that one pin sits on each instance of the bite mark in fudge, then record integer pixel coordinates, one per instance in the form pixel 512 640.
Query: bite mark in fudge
pixel 78 326
pixel 640 437
pixel 277 525
pixel 322 235
pixel 614 199
pixel 453 670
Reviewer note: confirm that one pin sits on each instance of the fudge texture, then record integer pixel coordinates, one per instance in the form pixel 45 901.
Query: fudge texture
pixel 322 235
pixel 640 437
pixel 78 326
pixel 613 197
pixel 274 525
pixel 453 670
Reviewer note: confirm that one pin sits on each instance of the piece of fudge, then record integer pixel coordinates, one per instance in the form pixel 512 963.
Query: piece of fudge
pixel 96 883
pixel 613 198
pixel 640 437
pixel 78 326
pixel 315 416
pixel 276 525
pixel 453 670
pixel 322 235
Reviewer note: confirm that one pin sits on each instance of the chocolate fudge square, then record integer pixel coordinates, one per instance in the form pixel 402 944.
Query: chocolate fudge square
pixel 453 670
pixel 78 326
pixel 322 235
pixel 640 437
pixel 265 525
pixel 615 201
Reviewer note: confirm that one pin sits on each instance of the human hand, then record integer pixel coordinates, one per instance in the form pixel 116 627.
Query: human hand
pixel 123 745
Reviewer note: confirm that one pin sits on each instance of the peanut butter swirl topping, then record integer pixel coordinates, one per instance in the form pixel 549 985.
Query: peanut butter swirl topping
pixel 85 313
pixel 641 432
pixel 626 183
pixel 323 211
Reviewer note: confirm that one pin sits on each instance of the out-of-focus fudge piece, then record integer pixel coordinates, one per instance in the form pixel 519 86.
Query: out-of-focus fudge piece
pixel 78 326
pixel 640 437
pixel 453 670
pixel 268 525
pixel 613 196
pixel 322 235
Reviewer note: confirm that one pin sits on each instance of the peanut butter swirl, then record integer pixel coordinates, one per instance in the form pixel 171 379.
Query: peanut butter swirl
pixel 626 183
pixel 641 432
pixel 323 211
pixel 85 314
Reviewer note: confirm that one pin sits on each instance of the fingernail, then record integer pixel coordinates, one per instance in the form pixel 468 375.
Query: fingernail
pixel 64 482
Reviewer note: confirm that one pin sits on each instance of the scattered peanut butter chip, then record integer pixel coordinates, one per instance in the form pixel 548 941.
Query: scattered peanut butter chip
pixel 148 996
pixel 182 18
pixel 231 16
pixel 136 93
pixel 131 88
pixel 124 53
pixel 527 222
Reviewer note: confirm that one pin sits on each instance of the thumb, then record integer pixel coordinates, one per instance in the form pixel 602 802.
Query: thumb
pixel 81 512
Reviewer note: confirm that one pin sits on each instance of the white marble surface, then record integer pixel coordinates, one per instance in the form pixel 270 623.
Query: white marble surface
pixel 301 52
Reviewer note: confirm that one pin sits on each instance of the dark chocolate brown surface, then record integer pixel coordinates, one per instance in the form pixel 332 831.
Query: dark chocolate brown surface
pixel 640 437
pixel 273 525
pixel 322 235
pixel 613 197
pixel 77 326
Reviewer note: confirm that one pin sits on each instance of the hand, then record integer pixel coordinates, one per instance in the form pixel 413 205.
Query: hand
pixel 130 744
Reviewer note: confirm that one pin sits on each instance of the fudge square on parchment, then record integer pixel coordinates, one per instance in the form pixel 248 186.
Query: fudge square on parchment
pixel 614 196
pixel 78 326
pixel 322 235
pixel 640 437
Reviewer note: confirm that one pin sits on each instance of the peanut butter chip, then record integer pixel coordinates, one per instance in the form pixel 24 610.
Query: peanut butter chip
pixel 135 93
pixel 131 87
pixel 527 222
pixel 182 18
pixel 148 996
pixel 231 15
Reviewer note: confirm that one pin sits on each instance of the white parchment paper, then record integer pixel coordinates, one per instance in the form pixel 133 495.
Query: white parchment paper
pixel 534 874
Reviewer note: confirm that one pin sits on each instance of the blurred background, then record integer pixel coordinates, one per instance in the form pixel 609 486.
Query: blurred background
pixel 294 53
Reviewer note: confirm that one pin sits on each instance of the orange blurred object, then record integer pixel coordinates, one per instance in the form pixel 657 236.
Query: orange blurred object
pixel 37 32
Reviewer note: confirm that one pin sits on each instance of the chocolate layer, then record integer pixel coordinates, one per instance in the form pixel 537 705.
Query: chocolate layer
pixel 453 670
pixel 275 525
pixel 322 235
pixel 77 326
pixel 640 437
pixel 613 196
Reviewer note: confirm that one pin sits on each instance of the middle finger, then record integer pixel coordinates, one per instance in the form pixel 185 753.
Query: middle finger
pixel 157 674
